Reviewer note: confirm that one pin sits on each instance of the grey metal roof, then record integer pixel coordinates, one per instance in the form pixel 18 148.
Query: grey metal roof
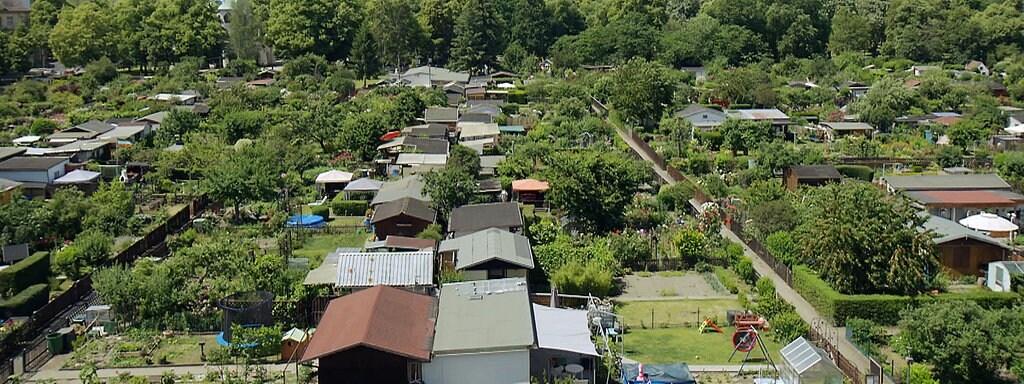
pixel 31 163
pixel 471 218
pixel 476 117
pixel 491 161
pixel 8 184
pixel 820 172
pixel 852 126
pixel 9 152
pixel 397 269
pixel 694 109
pixel 444 115
pixel 802 355
pixel 484 316
pixel 411 186
pixel 490 244
pixel 949 230
pixel 95 126
pixel 759 114
pixel 946 182
pixel 157 117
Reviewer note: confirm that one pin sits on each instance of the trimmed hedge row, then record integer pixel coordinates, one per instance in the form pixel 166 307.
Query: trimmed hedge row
pixel 32 270
pixel 882 309
pixel 321 210
pixel 27 301
pixel 861 172
pixel 349 207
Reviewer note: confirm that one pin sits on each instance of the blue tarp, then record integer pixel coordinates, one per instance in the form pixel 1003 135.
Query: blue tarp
pixel 305 221
pixel 678 373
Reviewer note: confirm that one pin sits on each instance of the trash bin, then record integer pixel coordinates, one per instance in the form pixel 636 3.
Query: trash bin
pixel 55 343
pixel 109 327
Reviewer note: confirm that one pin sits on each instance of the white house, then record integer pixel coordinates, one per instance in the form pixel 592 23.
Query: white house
pixel 42 170
pixel 484 334
pixel 1000 275
pixel 701 117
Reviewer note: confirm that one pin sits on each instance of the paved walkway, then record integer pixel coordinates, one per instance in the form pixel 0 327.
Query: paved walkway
pixel 803 308
pixel 155 371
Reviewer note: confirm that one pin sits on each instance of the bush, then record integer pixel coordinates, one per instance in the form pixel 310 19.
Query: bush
pixel 432 232
pixel 342 207
pixel 713 140
pixel 865 334
pixel 517 96
pixel 882 309
pixel 30 271
pixel 103 70
pixel 787 326
pixel 729 279
pixel 675 196
pixel 321 210
pixel 745 270
pixel 782 247
pixel 27 301
pixel 860 172
pixel 579 279
pixel 255 341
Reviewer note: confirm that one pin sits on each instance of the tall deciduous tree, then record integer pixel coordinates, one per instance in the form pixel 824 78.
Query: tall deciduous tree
pixel 862 240
pixel 83 34
pixel 642 89
pixel 530 26
pixel 594 186
pixel 397 33
pixel 477 37
pixel 449 188
pixel 365 54
pixel 322 27
pixel 887 100
pixel 131 34
pixel 183 28
pixel 245 31
pixel 437 19
pixel 742 136
pixel 849 33
pixel 250 173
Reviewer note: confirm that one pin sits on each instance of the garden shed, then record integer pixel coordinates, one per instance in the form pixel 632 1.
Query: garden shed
pixel 803 363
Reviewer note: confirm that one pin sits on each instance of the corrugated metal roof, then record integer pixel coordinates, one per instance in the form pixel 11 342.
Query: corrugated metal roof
pixel 490 244
pixel 946 182
pixel 473 129
pixel 397 269
pixel 421 159
pixel 484 316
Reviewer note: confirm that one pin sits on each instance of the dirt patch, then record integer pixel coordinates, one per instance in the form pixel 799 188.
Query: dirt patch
pixel 690 285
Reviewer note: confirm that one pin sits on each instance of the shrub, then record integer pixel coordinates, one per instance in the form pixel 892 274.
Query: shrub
pixel 729 279
pixel 583 279
pixel 103 70
pixel 432 232
pixel 255 341
pixel 32 270
pixel 745 269
pixel 787 326
pixel 675 196
pixel 865 334
pixel 517 96
pixel 321 210
pixel 27 301
pixel 782 247
pixel 713 140
pixel 692 246
pixel 860 172
pixel 342 207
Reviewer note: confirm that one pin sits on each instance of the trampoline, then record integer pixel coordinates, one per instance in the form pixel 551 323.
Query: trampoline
pixel 305 221
pixel 248 309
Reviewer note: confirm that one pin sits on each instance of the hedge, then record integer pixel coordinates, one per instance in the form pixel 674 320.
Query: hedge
pixel 321 210
pixel 349 207
pixel 27 301
pixel 34 269
pixel 882 309
pixel 861 172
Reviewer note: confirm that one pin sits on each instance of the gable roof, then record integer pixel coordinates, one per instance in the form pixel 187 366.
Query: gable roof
pixel 694 109
pixel 848 126
pixel 93 126
pixel 484 316
pixel 9 152
pixel 759 114
pixel 410 186
pixel 487 245
pixel 471 218
pixel 946 182
pixel 31 163
pixel 413 144
pixel 476 117
pixel 157 117
pixel 816 172
pixel 382 318
pixel 948 230
pixel 403 243
pixel 405 206
pixel 437 114
pixel 15 5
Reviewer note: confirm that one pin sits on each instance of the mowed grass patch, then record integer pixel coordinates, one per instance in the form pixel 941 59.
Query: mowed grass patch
pixel 316 247
pixel 672 345
pixel 638 314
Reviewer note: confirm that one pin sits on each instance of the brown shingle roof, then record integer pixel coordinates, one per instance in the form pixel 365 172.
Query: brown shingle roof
pixel 472 218
pixel 406 205
pixel 383 318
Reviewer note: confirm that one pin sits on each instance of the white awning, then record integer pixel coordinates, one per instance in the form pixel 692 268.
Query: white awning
pixel 78 176
pixel 26 140
pixel 563 330
pixel 1016 129
pixel 333 176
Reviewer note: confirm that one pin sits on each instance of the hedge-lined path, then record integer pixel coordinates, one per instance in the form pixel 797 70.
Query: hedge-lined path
pixel 803 308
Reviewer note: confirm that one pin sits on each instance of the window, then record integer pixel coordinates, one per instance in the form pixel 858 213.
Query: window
pixel 10 21
pixel 704 116
pixel 495 274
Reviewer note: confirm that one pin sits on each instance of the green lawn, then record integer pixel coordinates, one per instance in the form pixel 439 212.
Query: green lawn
pixel 316 247
pixel 637 314
pixel 681 342
pixel 672 345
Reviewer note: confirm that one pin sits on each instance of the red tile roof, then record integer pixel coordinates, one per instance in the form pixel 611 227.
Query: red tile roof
pixel 967 198
pixel 947 120
pixel 383 318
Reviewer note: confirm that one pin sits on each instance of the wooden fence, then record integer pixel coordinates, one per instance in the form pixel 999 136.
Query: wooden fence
pixel 32 332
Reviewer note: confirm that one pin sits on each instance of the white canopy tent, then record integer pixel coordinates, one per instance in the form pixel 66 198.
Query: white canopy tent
pixel 364 185
pixel 78 176
pixel 988 222
pixel 331 182
pixel 563 335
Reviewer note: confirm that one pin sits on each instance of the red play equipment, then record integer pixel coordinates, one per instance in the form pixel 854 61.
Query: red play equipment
pixel 745 320
pixel 709 323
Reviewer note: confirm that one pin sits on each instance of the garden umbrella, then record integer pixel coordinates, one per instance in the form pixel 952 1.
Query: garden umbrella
pixel 1016 129
pixel 988 222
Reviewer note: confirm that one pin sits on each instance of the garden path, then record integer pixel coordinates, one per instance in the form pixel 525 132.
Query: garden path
pixel 200 371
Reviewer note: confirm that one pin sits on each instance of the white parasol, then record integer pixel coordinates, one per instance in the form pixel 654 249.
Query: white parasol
pixel 988 222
